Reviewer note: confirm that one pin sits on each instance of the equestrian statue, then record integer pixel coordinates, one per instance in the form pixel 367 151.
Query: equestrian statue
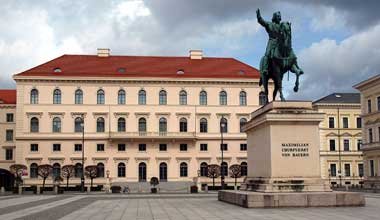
pixel 279 57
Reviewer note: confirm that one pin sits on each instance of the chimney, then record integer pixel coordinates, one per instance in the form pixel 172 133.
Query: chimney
pixel 103 52
pixel 196 54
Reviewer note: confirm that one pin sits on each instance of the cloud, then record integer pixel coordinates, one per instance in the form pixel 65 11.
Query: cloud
pixel 332 66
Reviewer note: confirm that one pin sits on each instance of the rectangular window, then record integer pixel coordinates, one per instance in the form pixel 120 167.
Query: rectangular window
pixel 371 168
pixel 331 122
pixel 8 154
pixel 347 169
pixel 56 147
pixel 100 147
pixel 142 147
pixel 34 147
pixel 332 145
pixel 121 147
pixel 78 147
pixel 369 106
pixel 243 147
pixel 333 169
pixel 163 147
pixel 378 103
pixel 359 144
pixel 183 147
pixel 346 145
pixel 345 122
pixel 223 147
pixel 9 135
pixel 370 135
pixel 360 169
pixel 10 117
pixel 203 147
pixel 358 122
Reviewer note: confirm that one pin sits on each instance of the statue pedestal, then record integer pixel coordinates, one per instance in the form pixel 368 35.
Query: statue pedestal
pixel 283 159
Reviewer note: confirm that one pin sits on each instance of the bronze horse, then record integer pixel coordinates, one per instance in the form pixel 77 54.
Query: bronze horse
pixel 284 60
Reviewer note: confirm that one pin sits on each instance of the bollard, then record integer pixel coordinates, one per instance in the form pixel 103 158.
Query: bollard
pixel 2 191
pixel 88 189
pixel 206 189
pixel 20 190
pixel 38 191
pixel 56 189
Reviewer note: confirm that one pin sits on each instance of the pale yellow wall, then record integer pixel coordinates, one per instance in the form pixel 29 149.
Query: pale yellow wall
pixel 152 111
pixel 4 125
pixel 352 133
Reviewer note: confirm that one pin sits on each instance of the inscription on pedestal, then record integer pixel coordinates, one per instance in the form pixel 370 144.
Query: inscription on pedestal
pixel 295 149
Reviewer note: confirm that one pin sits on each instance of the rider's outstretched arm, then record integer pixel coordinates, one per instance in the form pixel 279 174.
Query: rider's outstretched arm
pixel 260 19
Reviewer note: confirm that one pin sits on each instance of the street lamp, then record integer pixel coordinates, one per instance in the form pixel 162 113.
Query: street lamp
pixel 82 177
pixel 222 129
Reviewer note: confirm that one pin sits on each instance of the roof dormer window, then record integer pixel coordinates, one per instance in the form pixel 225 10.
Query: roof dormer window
pixel 241 72
pixel 180 72
pixel 121 70
pixel 57 70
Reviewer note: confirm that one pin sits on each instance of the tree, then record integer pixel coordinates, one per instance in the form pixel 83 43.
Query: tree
pixel 154 182
pixel 213 172
pixel 235 172
pixel 68 171
pixel 44 171
pixel 17 170
pixel 91 172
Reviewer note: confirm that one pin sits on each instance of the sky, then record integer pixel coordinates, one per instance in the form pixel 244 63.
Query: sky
pixel 337 42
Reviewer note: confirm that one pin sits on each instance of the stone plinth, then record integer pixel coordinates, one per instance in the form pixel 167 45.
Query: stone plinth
pixel 283 160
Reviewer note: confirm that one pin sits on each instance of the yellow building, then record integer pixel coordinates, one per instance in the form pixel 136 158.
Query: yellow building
pixel 341 138
pixel 370 100
pixel 143 116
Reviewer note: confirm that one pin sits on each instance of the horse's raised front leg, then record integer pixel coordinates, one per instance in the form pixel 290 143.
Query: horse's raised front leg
pixel 295 69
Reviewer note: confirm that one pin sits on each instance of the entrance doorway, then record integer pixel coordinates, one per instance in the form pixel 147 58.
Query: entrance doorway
pixel 142 172
pixel 6 179
pixel 163 172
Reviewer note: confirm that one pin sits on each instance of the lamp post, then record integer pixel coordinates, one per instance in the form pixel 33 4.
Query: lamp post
pixel 82 177
pixel 222 127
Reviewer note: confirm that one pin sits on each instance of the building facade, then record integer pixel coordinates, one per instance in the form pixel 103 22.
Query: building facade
pixel 7 137
pixel 370 100
pixel 341 139
pixel 135 117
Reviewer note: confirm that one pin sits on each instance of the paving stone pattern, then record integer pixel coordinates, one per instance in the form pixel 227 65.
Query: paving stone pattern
pixel 176 207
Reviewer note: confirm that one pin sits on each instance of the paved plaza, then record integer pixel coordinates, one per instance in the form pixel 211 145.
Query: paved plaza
pixel 175 207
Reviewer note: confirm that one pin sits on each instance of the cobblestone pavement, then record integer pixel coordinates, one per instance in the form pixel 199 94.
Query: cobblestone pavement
pixel 176 207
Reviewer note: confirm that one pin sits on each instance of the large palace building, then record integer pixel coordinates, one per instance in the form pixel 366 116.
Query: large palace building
pixel 135 117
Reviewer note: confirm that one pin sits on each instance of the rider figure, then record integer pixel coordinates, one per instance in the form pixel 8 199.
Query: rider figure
pixel 273 29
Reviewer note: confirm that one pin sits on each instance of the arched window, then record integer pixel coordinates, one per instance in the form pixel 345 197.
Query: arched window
pixel 78 96
pixel 224 169
pixel 162 125
pixel 142 172
pixel 57 96
pixel 183 125
pixel 34 96
pixel 162 97
pixel 33 170
pixel 100 99
pixel 243 121
pixel 121 125
pixel 163 172
pixel 262 98
pixel 244 168
pixel 56 124
pixel 78 125
pixel 203 125
pixel 100 124
pixel 100 169
pixel 183 97
pixel 243 98
pixel 183 169
pixel 121 170
pixel 34 124
pixel 223 125
pixel 203 98
pixel 142 125
pixel 56 170
pixel 142 97
pixel 121 97
pixel 204 169
pixel 78 170
pixel 223 98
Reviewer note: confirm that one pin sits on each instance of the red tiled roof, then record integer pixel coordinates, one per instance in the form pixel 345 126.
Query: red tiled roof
pixel 7 96
pixel 144 66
